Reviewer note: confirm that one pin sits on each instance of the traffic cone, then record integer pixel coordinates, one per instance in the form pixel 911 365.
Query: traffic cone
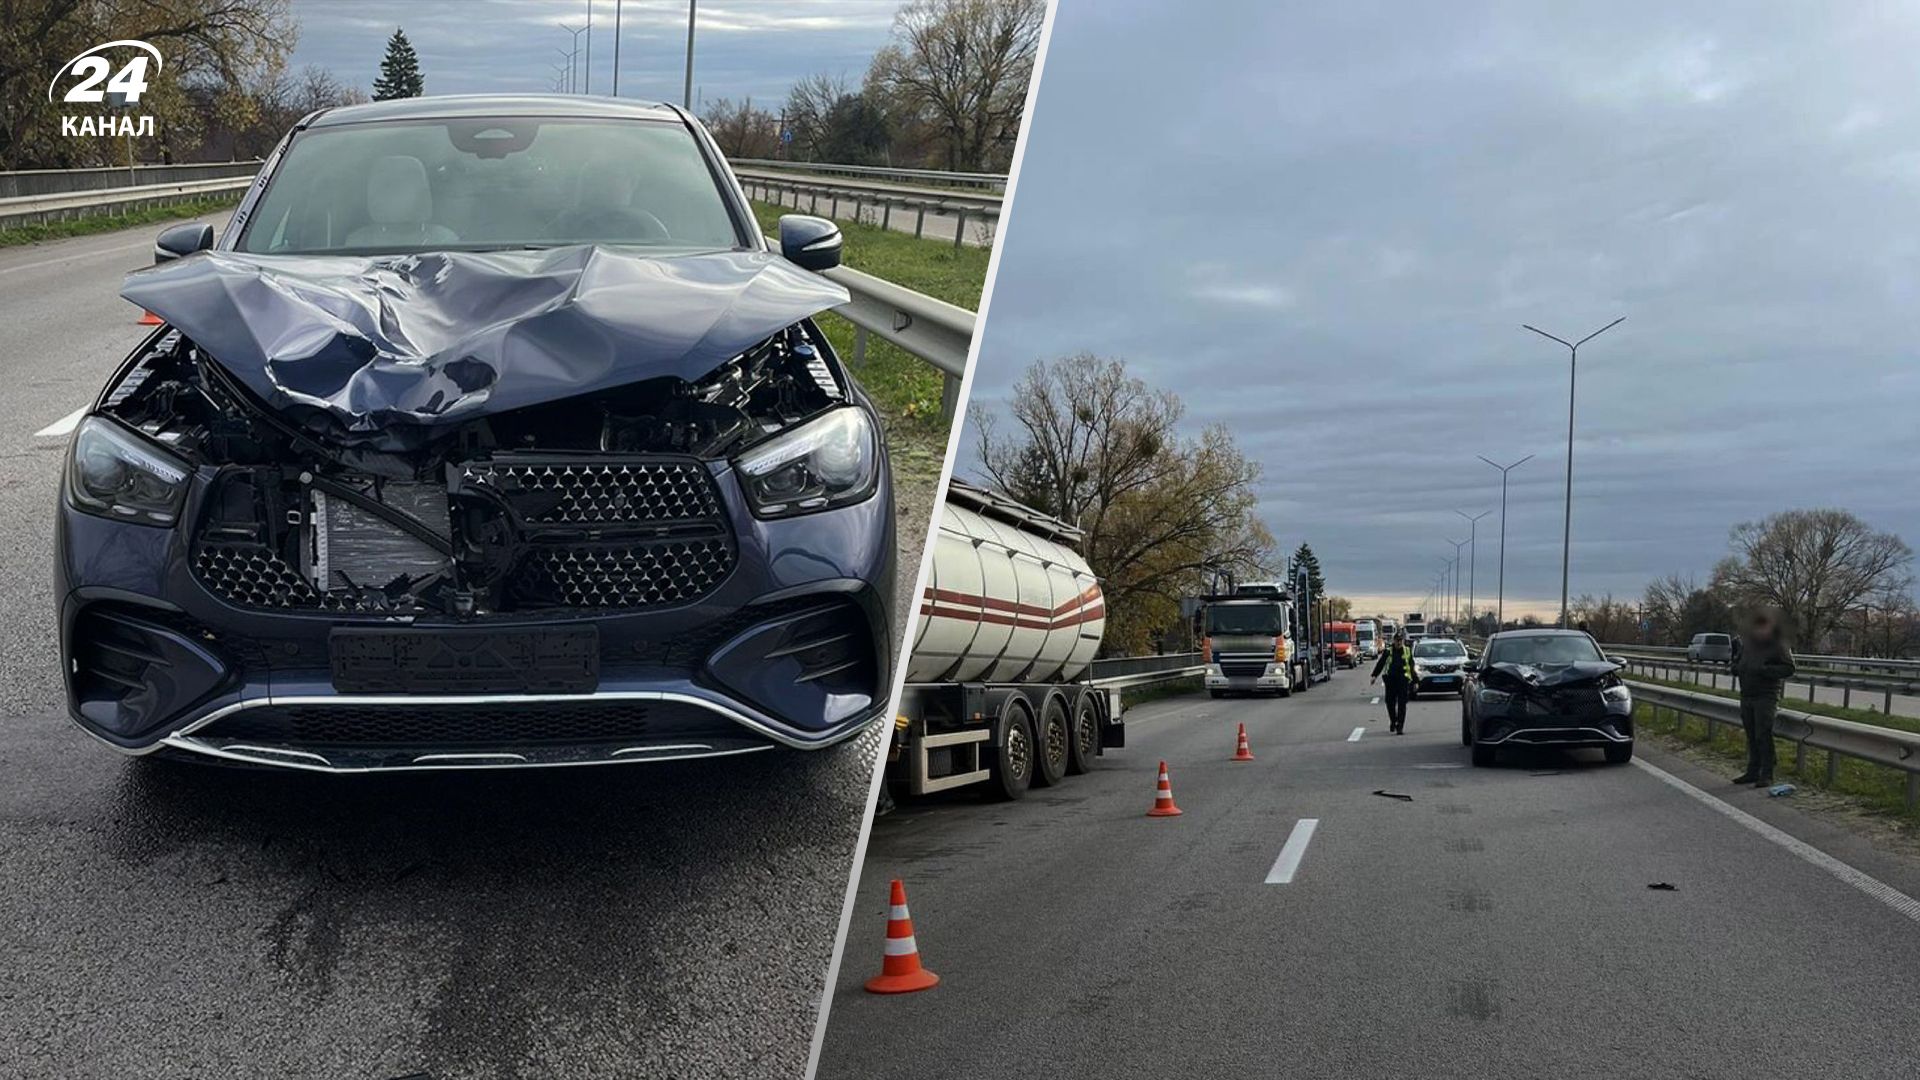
pixel 900 970
pixel 1245 752
pixel 1163 797
pixel 148 318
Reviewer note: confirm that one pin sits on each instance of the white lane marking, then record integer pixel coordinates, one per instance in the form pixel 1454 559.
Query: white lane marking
pixel 1866 883
pixel 1375 701
pixel 76 255
pixel 1292 851
pixel 62 427
pixel 1357 732
pixel 1440 765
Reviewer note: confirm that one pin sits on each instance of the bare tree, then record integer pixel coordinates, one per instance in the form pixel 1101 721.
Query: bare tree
pixel 809 115
pixel 1816 566
pixel 742 130
pixel 1100 449
pixel 963 66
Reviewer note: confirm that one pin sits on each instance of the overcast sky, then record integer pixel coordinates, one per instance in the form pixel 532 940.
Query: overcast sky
pixel 756 48
pixel 1324 224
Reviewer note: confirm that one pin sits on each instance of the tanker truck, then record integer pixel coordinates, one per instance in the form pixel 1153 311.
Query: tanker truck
pixel 1009 621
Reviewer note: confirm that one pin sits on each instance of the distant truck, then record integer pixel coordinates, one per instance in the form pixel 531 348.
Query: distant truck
pixel 1247 642
pixel 1415 625
pixel 1340 637
pixel 1366 638
pixel 1009 622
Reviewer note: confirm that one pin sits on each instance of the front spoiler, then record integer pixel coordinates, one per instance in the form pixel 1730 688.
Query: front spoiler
pixel 755 735
pixel 1558 736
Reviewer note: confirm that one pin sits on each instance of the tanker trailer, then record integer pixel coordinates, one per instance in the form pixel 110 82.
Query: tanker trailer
pixel 1010 619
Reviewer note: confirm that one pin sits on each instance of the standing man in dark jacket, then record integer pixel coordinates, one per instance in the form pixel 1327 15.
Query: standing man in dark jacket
pixel 1397 662
pixel 1762 663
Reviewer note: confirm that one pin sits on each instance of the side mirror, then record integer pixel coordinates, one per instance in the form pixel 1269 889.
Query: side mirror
pixel 811 243
pixel 182 241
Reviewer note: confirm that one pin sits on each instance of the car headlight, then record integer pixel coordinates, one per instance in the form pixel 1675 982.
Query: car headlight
pixel 831 461
pixel 116 474
pixel 1489 696
pixel 1618 695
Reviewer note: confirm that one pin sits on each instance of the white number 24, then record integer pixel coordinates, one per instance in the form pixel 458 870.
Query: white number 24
pixel 130 80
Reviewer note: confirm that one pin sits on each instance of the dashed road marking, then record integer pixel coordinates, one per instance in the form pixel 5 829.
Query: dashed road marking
pixel 1291 853
pixel 1357 732
pixel 1866 883
pixel 62 427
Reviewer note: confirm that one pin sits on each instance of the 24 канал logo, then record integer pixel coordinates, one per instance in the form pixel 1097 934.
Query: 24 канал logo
pixel 95 80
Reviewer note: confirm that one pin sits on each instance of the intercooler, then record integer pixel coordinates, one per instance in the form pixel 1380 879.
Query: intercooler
pixel 349 546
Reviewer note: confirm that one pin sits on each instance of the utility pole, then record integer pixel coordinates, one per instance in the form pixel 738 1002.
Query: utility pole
pixel 686 94
pixel 1573 375
pixel 1473 558
pixel 586 86
pixel 1500 618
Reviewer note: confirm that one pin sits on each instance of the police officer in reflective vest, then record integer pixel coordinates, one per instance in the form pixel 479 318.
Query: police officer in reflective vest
pixel 1397 663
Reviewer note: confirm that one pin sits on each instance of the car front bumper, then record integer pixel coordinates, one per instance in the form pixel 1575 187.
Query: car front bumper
pixel 724 674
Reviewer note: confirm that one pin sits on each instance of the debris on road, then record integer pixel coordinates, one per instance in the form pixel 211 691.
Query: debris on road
pixel 1779 790
pixel 1394 795
pixel 1664 886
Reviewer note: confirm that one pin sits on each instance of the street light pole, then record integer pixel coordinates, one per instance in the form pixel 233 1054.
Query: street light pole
pixel 1473 558
pixel 616 48
pixel 1573 375
pixel 1500 618
pixel 587 77
pixel 1455 599
pixel 686 95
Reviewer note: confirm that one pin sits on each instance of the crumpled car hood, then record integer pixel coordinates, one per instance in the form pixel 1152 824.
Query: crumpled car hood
pixel 393 347
pixel 1552 675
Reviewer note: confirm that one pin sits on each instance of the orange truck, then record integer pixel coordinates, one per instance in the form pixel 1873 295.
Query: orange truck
pixel 1340 636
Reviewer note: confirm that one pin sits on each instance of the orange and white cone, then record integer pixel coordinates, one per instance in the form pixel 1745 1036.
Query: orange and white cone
pixel 1245 752
pixel 1163 797
pixel 900 970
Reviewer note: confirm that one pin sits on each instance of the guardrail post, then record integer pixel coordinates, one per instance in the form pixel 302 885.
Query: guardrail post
pixel 1799 756
pixel 949 396
pixel 860 346
pixel 1913 790
pixel 1833 768
pixel 919 220
pixel 1846 697
pixel 959 226
pixel 1887 706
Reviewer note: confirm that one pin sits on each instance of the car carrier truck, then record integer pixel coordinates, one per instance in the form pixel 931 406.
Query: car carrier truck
pixel 996 689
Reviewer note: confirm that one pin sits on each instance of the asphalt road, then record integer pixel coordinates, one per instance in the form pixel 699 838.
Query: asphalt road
pixel 180 921
pixel 1498 925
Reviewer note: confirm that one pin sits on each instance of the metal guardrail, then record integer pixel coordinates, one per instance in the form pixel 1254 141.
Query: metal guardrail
pixel 1891 665
pixel 933 177
pixel 31 209
pixel 808 193
pixel 25 183
pixel 1125 672
pixel 1888 747
pixel 1714 676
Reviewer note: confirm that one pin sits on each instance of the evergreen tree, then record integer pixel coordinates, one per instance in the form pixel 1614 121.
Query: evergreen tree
pixel 1304 557
pixel 399 71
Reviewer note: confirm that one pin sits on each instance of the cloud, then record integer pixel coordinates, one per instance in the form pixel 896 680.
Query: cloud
pixel 1324 224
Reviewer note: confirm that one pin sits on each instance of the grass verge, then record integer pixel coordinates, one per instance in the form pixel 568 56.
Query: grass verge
pixel 1861 786
pixel 105 223
pixel 906 388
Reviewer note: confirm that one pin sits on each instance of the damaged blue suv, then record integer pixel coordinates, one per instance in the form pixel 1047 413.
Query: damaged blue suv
pixel 491 434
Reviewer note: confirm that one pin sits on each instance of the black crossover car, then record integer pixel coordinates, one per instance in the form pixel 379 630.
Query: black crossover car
pixel 1546 688
pixel 491 434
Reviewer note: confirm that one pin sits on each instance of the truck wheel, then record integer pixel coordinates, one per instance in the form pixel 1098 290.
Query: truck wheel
pixel 1086 736
pixel 1013 760
pixel 1052 745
